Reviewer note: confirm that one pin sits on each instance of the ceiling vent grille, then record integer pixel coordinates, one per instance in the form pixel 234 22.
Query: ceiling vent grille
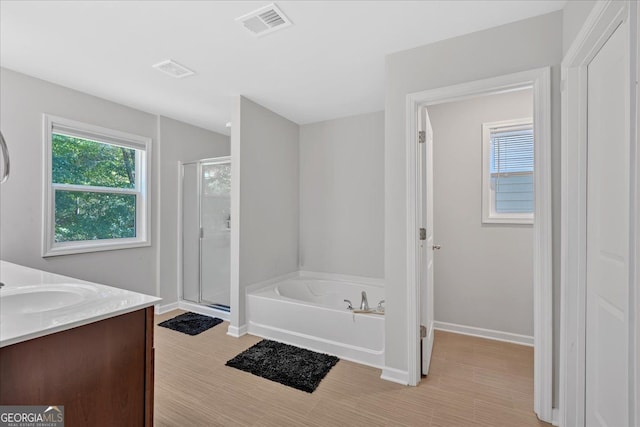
pixel 173 69
pixel 265 20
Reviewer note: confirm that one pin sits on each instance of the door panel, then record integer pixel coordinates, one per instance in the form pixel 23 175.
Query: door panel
pixel 215 249
pixel 425 151
pixel 607 283
pixel 190 234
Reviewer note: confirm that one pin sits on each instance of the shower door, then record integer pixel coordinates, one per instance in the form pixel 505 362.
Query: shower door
pixel 206 232
pixel 215 235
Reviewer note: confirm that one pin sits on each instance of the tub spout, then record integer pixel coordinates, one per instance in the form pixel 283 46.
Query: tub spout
pixel 364 304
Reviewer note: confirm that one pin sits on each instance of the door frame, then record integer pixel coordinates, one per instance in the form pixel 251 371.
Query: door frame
pixel 599 25
pixel 180 250
pixel 540 81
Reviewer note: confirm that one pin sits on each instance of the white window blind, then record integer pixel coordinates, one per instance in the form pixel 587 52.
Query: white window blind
pixel 511 167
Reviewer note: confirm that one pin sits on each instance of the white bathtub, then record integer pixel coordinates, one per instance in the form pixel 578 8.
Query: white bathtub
pixel 311 313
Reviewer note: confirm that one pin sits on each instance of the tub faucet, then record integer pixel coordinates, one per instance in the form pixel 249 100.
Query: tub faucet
pixel 364 304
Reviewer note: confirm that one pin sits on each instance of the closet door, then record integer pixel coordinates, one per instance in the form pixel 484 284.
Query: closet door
pixel 608 202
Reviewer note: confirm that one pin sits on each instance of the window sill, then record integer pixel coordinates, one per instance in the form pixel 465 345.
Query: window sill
pixel 524 220
pixel 71 248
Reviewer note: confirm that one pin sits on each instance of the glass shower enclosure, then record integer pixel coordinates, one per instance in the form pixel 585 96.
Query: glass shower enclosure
pixel 206 232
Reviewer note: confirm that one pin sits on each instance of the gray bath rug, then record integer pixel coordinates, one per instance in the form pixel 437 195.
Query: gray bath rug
pixel 292 366
pixel 191 323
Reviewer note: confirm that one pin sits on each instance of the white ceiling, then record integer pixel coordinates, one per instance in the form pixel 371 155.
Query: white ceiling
pixel 329 64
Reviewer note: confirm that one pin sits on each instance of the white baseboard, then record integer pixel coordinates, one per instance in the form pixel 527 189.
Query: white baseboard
pixel 341 277
pixel 395 375
pixel 161 309
pixel 237 331
pixel 484 333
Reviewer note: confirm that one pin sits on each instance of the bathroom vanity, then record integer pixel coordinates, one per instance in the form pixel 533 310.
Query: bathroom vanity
pixel 86 346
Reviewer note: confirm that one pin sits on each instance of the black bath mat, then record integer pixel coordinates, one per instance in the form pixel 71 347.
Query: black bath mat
pixel 191 323
pixel 292 366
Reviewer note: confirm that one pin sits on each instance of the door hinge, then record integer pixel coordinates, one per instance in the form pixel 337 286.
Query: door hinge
pixel 423 234
pixel 201 233
pixel 423 331
pixel 422 137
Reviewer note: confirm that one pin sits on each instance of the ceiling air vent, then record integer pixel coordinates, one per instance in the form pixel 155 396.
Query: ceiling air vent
pixel 264 20
pixel 173 69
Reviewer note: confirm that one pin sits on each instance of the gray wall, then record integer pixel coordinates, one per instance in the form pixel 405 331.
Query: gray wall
pixel 484 272
pixel 574 14
pixel 510 48
pixel 23 100
pixel 264 147
pixel 179 142
pixel 342 196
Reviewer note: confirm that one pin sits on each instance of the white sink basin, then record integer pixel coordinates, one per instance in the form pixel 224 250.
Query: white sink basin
pixel 35 299
pixel 35 303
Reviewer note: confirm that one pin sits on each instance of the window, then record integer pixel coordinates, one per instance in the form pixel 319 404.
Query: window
pixel 508 195
pixel 96 188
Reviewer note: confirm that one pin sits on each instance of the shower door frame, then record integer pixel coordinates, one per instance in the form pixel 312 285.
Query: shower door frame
pixel 199 163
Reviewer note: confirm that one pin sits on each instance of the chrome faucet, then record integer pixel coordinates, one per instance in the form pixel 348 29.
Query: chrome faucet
pixel 364 304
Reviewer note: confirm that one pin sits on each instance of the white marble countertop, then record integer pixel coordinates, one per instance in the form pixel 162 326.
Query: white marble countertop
pixel 35 303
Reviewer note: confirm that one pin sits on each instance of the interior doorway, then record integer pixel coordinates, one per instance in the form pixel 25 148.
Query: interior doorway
pixel 420 172
pixel 477 214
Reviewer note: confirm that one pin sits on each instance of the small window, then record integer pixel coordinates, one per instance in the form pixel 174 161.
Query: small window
pixel 508 195
pixel 96 188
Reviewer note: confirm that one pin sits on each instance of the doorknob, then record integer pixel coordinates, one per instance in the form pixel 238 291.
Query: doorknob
pixel 435 247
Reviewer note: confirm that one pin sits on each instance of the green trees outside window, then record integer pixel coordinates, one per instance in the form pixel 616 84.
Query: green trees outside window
pixel 94 189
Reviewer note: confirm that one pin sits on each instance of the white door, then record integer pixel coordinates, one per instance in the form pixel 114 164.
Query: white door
pixel 426 245
pixel 607 279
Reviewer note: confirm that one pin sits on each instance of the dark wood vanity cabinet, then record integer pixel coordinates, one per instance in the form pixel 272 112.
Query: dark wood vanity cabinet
pixel 101 372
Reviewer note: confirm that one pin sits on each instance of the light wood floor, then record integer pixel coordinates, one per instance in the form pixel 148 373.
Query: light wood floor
pixel 472 382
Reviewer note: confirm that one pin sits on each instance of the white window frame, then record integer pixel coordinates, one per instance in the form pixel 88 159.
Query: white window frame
pixel 489 214
pixel 142 189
